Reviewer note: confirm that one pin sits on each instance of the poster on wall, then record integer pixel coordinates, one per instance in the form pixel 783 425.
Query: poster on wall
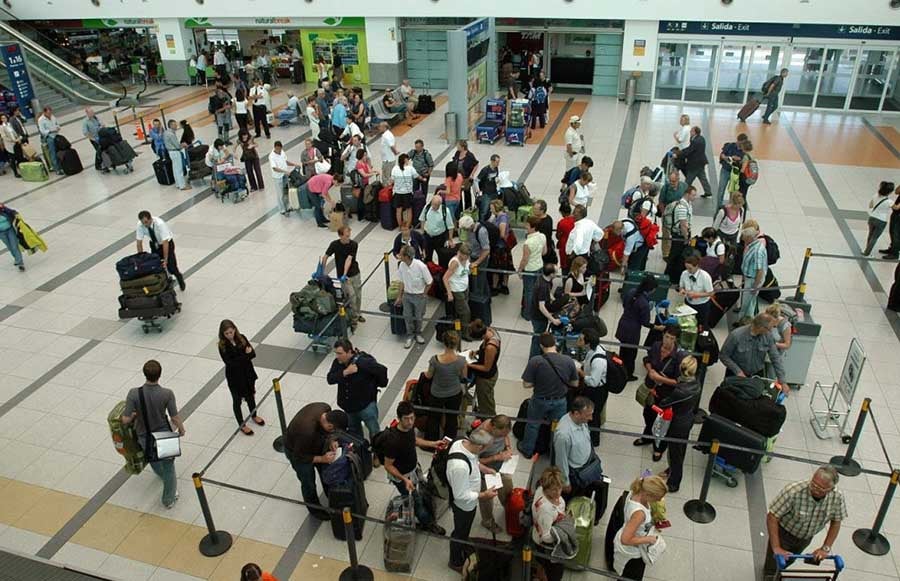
pixel 476 91
pixel 350 45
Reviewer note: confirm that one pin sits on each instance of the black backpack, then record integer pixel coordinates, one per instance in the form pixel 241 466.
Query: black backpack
pixel 379 441
pixel 213 105
pixel 616 374
pixel 616 522
pixel 439 464
pixel 772 251
pixel 493 233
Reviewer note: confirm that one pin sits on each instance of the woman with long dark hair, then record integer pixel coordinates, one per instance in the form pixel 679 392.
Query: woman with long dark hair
pixel 250 157
pixel 468 164
pixel 635 314
pixel 237 354
pixel 404 176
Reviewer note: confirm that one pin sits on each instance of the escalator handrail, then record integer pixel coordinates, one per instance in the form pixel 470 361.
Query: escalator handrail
pixel 60 64
pixel 68 89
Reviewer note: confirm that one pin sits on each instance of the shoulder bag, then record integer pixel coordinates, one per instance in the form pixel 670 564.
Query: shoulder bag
pixel 158 445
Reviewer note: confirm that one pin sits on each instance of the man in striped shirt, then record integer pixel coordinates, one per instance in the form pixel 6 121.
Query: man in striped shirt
pixel 753 268
pixel 677 219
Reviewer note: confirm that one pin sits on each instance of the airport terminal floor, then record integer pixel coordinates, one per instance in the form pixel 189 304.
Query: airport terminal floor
pixel 67 359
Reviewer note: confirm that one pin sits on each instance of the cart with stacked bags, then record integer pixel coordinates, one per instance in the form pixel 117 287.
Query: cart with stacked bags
pixel 317 310
pixel 229 183
pixel 517 132
pixel 490 130
pixel 148 293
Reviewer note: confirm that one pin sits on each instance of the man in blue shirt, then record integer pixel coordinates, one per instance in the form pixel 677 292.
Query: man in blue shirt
pixel 731 153
pixel 339 115
pixel 636 252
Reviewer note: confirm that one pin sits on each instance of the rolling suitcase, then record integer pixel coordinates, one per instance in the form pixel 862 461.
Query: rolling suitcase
pixel 386 213
pixel 748 109
pixel 69 162
pixel 33 171
pixel 398 324
pixel 352 494
pixel 400 543
pixel 583 511
pixel 716 427
pixel 515 505
pixel 164 174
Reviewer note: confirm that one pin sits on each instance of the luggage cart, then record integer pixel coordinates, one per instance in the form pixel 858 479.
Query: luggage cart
pixel 517 132
pixel 838 398
pixel 324 337
pixel 149 317
pixel 230 183
pixel 490 130
pixel 812 572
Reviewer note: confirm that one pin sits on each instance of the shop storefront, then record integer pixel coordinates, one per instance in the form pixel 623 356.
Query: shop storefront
pixel 851 68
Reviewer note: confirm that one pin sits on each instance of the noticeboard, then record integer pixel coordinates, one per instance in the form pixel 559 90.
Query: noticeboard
pixel 19 81
pixel 853 365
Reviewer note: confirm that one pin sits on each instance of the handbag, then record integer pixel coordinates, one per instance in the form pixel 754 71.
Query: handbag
pixel 158 445
pixel 650 554
pixel 643 395
pixel 588 474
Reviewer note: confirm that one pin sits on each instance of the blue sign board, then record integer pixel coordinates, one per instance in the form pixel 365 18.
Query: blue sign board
pixel 476 28
pixel 783 29
pixel 19 83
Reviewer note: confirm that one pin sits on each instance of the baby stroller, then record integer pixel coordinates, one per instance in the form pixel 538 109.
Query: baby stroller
pixel 114 151
pixel 229 183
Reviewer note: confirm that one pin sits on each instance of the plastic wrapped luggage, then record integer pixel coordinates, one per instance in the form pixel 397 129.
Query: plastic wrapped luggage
pixel 583 511
pixel 716 427
pixel 138 265
pixel 33 171
pixel 400 543
pixel 70 162
pixel 762 414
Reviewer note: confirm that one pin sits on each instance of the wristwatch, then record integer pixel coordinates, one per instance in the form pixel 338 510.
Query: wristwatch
pixel 826 548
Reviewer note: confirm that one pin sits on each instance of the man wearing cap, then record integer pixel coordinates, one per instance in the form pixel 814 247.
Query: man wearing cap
pixel 574 142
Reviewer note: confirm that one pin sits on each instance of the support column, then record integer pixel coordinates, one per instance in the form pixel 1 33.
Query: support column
pixel 386 66
pixel 176 47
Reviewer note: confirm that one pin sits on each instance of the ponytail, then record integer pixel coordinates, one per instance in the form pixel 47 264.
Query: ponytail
pixel 651 488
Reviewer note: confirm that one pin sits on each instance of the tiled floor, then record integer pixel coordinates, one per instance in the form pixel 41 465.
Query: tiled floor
pixel 67 359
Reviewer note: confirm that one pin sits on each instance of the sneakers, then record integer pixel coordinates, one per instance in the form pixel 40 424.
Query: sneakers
pixel 420 339
pixel 181 284
pixel 21 267
pixel 408 343
pixel 174 502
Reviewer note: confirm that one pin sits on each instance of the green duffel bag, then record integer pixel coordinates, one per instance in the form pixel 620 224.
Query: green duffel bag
pixel 311 302
pixel 149 285
pixel 33 171
pixel 393 290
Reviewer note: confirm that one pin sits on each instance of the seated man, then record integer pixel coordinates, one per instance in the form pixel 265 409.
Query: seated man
pixel 393 105
pixel 573 454
pixel 412 238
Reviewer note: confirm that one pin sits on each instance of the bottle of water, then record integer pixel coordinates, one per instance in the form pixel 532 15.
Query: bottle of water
pixel 661 423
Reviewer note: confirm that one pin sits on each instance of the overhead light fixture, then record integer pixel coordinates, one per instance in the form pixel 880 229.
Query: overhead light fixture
pixel 895 3
pixel 727 2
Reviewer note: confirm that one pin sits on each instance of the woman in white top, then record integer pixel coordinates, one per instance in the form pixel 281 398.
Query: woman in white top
pixel 580 192
pixel 547 509
pixel 635 533
pixel 321 71
pixel 683 135
pixel 10 138
pixel 879 214
pixel 729 218
pixel 696 287
pixel 241 110
pixel 456 282
pixel 312 113
pixel 403 177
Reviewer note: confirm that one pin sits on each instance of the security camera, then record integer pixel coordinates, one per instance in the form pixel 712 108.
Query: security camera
pixel 895 3
pixel 95 2
pixel 727 2
pixel 200 2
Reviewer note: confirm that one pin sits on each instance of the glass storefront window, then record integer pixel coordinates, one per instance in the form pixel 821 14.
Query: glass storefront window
pixel 734 70
pixel 701 70
pixel 670 63
pixel 874 67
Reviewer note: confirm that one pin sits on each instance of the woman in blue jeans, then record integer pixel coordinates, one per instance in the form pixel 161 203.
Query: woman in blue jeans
pixel 9 236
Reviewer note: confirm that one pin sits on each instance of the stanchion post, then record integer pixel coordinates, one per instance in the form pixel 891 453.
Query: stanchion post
pixel 801 282
pixel 846 465
pixel 457 325
pixel 387 273
pixel 216 542
pixel 871 540
pixel 355 572
pixel 526 561
pixel 342 314
pixel 698 510
pixel 278 444
pixel 116 120
pixel 700 413
pixel 144 128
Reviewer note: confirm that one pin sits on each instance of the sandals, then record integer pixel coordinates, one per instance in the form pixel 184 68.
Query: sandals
pixel 259 421
pixel 246 430
pixel 657 456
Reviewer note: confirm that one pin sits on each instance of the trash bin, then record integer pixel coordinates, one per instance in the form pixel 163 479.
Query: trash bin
pixel 450 127
pixel 630 90
pixel 803 343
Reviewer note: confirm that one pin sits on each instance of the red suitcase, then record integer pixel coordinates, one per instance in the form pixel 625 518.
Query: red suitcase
pixel 515 504
pixel 748 109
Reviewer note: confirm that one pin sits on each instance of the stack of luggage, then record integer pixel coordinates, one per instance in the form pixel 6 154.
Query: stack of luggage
pixel 68 159
pixel 114 151
pixel 197 168
pixel 147 290
pixel 400 541
pixel 315 307
pixel 345 481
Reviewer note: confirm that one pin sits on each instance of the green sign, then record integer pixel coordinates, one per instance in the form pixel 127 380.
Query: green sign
pixel 94 23
pixel 276 22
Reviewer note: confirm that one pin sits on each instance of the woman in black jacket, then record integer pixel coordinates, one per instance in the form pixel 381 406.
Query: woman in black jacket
pixel 683 399
pixel 238 354
pixel 635 314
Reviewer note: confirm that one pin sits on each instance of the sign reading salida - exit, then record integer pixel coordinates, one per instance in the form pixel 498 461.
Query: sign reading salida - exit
pixel 856 31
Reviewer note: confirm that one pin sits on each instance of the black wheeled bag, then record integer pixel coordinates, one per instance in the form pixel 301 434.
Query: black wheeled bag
pixel 398 323
pixel 69 162
pixel 425 105
pixel 139 265
pixel 761 414
pixel 716 427
pixel 163 170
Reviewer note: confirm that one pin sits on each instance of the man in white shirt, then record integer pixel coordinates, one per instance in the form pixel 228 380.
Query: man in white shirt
pixel 415 278
pixel 262 105
pixel 574 142
pixel 352 129
pixel 201 68
pixel 593 373
pixel 280 165
pixel 220 62
pixel 349 154
pixel 464 477
pixel 389 151
pixel 161 243
pixel 584 232
pixel 49 129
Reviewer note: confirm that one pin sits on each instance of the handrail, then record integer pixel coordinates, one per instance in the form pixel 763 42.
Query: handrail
pixel 64 88
pixel 31 45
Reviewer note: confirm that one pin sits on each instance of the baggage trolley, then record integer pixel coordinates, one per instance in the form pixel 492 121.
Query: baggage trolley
pixel 813 571
pixel 149 317
pixel 322 340
pixel 230 183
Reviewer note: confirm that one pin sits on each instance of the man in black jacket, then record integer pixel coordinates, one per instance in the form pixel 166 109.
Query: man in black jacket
pixel 358 376
pixel 695 161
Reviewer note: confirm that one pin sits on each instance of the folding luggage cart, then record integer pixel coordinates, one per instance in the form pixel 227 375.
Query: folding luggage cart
pixel 489 130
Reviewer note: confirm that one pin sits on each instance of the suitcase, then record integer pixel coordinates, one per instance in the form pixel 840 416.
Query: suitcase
pixel 164 174
pixel 349 201
pixel 515 505
pixel 398 324
pixel 69 162
pixel 350 494
pixel 387 216
pixel 748 109
pixel 197 152
pixel 62 143
pixel 542 444
pixel 418 204
pixel 488 131
pixel 152 284
pixel 33 171
pixel 425 105
pixel 583 511
pixel 293 200
pixel 762 415
pixel 634 278
pixel 399 543
pixel 720 303
pixel 138 265
pixel 164 300
pixel 125 440
pixel 716 427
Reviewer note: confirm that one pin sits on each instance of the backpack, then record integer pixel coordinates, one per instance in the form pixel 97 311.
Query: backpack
pixel 768 84
pixel 616 374
pixel 570 178
pixel 125 440
pixel 669 216
pixel 540 95
pixel 378 370
pixel 439 466
pixel 628 198
pixel 772 251
pixel 380 440
pixel 493 233
pixel 598 259
pixel 751 173
pixel 339 471
pixel 312 301
pixel 213 105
